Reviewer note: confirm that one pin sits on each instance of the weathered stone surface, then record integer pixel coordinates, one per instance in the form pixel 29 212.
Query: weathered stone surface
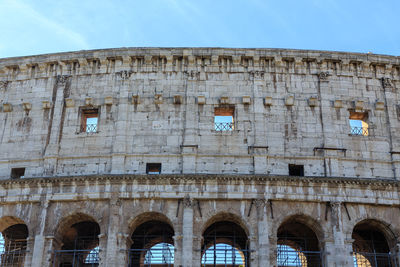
pixel 156 105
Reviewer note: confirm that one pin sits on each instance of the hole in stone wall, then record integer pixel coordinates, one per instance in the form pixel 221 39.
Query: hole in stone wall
pixel 296 170
pixel 153 168
pixel 17 173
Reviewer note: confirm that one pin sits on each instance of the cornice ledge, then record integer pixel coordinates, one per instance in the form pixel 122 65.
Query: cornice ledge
pixel 203 178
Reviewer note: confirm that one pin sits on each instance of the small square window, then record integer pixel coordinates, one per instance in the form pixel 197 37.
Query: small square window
pixel 17 173
pixel 90 119
pixel 296 170
pixel 358 123
pixel 223 119
pixel 153 168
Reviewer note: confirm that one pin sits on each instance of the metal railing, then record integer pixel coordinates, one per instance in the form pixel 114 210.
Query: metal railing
pixel 76 258
pixel 155 256
pixel 359 131
pixel 366 259
pixel 227 257
pixel 223 126
pixel 89 128
pixel 13 253
pixel 298 258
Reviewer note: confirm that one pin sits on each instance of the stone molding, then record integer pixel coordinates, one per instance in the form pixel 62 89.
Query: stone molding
pixel 199 178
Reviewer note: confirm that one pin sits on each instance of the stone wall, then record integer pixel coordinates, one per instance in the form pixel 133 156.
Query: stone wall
pixel 190 203
pixel 287 104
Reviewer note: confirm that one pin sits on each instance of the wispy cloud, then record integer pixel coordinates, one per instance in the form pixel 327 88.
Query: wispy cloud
pixel 29 13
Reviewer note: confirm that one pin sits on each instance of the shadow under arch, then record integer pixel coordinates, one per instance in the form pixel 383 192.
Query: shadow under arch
pixel 14 234
pixel 71 219
pixel 225 241
pixel 152 236
pixel 299 241
pixel 226 216
pixel 78 236
pixel 374 244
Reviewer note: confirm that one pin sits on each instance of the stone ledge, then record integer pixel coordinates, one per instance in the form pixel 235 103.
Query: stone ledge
pixel 206 177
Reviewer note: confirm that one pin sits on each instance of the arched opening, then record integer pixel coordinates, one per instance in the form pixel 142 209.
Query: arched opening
pixel 370 246
pixel 80 246
pixel 13 243
pixel 153 245
pixel 225 244
pixel 298 245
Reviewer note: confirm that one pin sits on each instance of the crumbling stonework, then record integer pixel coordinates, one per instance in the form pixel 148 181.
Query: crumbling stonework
pixel 155 109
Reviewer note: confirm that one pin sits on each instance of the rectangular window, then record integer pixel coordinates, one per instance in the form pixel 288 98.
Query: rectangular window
pixel 17 173
pixel 358 123
pixel 223 119
pixel 90 119
pixel 153 168
pixel 296 170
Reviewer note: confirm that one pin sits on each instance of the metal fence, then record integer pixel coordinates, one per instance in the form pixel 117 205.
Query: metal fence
pixel 224 126
pixel 227 256
pixel 365 259
pixel 76 258
pixel 298 258
pixel 13 253
pixel 89 128
pixel 156 256
pixel 359 131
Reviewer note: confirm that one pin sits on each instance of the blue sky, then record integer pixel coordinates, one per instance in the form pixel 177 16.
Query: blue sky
pixel 46 26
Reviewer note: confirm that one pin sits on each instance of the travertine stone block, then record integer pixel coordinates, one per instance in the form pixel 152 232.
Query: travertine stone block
pixel 338 103
pixel 201 100
pixel 177 99
pixel 69 102
pixel 135 99
pixel 359 105
pixel 158 99
pixel 246 100
pixel 289 100
pixel 7 107
pixel 313 101
pixel 224 100
pixel 89 101
pixel 380 105
pixel 268 101
pixel 108 100
pixel 46 104
pixel 27 106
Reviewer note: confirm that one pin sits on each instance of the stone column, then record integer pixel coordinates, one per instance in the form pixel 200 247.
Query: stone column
pixel 57 119
pixel 395 251
pixel 263 240
pixel 338 251
pixel 178 249
pixel 114 245
pixel 187 232
pixel 51 244
pixel 37 253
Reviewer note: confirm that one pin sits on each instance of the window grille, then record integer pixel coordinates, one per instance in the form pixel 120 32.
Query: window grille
pixel 366 259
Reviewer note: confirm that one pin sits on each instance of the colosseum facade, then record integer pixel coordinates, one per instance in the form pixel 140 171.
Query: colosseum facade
pixel 200 157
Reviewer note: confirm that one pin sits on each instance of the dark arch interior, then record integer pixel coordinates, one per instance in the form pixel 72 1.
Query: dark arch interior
pixel 82 235
pixel 300 238
pixel 14 246
pixel 79 240
pixel 224 232
pixel 370 246
pixel 145 237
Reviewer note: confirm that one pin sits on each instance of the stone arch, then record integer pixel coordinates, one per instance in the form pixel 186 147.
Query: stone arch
pixel 148 232
pixel 14 241
pixel 305 219
pixel 299 239
pixel 225 233
pixel 148 216
pixel 7 221
pixel 73 218
pixel 227 216
pixel 387 229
